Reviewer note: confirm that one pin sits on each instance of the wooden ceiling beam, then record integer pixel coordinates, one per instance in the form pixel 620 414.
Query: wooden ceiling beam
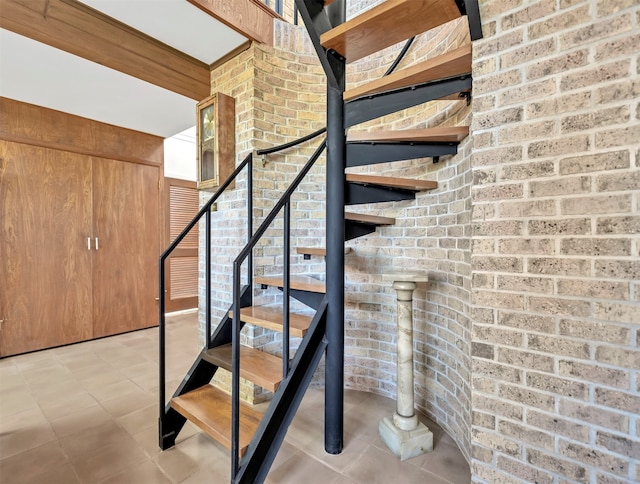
pixel 250 18
pixel 73 27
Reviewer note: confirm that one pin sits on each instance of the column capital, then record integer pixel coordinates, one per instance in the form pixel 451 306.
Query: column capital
pixel 399 275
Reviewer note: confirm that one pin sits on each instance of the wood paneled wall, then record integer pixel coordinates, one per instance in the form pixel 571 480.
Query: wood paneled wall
pixel 81 205
pixel 34 125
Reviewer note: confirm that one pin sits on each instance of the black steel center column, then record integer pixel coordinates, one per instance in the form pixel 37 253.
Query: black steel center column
pixel 336 163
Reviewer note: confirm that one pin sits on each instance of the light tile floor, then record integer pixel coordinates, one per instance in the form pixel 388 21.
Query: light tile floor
pixel 87 413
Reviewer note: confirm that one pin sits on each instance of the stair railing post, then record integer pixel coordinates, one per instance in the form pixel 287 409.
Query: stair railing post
pixel 161 342
pixel 336 163
pixel 286 289
pixel 235 372
pixel 337 12
pixel 250 224
pixel 207 279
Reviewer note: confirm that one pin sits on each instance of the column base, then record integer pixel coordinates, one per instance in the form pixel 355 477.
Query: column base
pixel 405 443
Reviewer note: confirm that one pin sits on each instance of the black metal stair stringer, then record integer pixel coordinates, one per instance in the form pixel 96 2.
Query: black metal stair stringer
pixel 359 193
pixel 354 229
pixel 369 153
pixel 373 106
pixel 272 429
pixel 311 299
pixel 308 298
pixel 200 373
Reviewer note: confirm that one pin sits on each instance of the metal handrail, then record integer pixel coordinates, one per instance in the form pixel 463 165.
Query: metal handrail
pixel 204 211
pixel 290 144
pixel 401 55
pixel 283 203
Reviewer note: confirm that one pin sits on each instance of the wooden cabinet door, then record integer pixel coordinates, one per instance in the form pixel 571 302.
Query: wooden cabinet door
pixel 45 264
pixel 127 226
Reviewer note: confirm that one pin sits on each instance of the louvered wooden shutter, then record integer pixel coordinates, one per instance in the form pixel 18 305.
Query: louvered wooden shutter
pixel 183 205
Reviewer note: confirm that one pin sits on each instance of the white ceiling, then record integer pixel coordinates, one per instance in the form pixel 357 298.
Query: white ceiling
pixel 39 74
pixel 36 73
pixel 176 23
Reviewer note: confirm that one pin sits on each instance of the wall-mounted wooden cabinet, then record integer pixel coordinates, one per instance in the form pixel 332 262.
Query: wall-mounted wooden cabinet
pixel 79 238
pixel 215 139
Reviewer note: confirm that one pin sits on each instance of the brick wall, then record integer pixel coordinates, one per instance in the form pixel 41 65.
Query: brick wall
pixel 555 266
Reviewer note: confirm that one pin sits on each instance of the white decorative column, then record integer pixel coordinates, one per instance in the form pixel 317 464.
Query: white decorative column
pixel 402 432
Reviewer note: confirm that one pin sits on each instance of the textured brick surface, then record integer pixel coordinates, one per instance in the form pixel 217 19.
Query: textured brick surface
pixel 569 121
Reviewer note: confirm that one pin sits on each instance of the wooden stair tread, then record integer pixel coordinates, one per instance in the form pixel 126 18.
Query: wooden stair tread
pixel 387 24
pixel 312 251
pixel 320 251
pixel 369 219
pixel 257 366
pixel 453 134
pixel 393 182
pixel 272 318
pixel 210 409
pixel 456 62
pixel 302 283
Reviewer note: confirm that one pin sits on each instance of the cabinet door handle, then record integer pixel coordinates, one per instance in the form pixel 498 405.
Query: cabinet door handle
pixel 89 243
pixel 96 243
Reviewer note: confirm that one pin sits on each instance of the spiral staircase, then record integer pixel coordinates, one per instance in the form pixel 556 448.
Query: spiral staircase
pixel 254 437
